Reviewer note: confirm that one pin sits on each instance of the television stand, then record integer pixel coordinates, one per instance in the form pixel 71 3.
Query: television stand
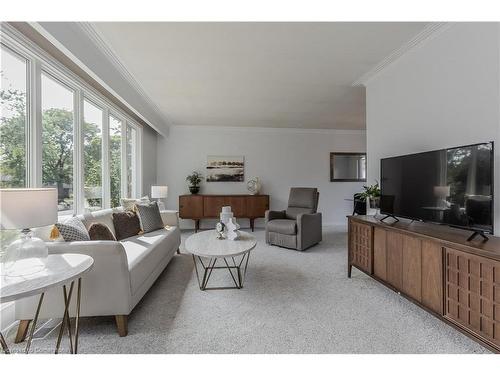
pixel 478 233
pixel 389 216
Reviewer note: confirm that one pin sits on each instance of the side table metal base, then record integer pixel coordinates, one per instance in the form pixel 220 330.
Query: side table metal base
pixel 238 275
pixel 73 342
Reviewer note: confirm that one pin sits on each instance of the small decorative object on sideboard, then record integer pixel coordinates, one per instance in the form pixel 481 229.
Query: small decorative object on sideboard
pixel 194 180
pixel 232 229
pixel 253 186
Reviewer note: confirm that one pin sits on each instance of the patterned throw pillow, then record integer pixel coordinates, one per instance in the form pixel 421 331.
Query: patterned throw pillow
pixel 149 215
pixel 128 204
pixel 73 230
pixel 126 224
pixel 100 232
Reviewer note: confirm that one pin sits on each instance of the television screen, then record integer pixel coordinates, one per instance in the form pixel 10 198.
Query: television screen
pixel 451 186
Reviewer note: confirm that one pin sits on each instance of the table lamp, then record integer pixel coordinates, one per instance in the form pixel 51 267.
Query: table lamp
pixel 159 192
pixel 24 209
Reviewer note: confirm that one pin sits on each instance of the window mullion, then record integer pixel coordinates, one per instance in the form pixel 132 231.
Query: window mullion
pixel 78 181
pixel 34 147
pixel 106 180
pixel 123 163
pixel 138 162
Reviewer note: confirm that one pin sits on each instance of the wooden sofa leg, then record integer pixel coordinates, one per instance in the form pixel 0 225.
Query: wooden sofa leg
pixel 179 250
pixel 22 331
pixel 121 325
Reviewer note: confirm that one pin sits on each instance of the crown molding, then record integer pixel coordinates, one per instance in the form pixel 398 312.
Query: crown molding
pixel 428 32
pixel 104 47
pixel 260 129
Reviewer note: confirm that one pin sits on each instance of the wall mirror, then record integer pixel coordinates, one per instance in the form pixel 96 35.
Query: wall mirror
pixel 347 166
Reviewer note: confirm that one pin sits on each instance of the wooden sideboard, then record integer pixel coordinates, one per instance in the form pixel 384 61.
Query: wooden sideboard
pixel 205 206
pixel 436 268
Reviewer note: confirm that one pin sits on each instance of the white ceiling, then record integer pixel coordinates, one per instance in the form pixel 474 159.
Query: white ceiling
pixel 295 75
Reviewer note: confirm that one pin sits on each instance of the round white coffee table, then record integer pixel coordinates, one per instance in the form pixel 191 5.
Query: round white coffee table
pixel 234 255
pixel 60 270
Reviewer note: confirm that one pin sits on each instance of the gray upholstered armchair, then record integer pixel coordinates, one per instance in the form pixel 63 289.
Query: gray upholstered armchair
pixel 299 226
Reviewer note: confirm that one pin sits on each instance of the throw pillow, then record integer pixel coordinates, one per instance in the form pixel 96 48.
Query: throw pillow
pixel 73 230
pixel 128 204
pixel 98 231
pixel 149 215
pixel 126 224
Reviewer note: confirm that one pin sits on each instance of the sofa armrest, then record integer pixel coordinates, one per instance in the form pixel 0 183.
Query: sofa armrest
pixel 170 218
pixel 106 288
pixel 272 215
pixel 309 230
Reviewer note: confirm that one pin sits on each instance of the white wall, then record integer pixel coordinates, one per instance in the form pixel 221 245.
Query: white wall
pixel 149 159
pixel 443 93
pixel 281 158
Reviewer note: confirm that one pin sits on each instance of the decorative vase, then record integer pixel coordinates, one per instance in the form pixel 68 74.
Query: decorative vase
pixel 226 214
pixel 232 229
pixel 194 189
pixel 374 202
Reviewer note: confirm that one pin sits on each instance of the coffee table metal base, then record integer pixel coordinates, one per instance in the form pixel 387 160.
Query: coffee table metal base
pixel 237 268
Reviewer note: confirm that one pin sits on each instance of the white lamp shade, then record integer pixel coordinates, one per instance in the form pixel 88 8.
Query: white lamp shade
pixel 27 208
pixel 159 191
pixel 441 191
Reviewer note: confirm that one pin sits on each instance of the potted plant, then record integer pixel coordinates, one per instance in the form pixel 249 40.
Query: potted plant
pixel 372 193
pixel 194 180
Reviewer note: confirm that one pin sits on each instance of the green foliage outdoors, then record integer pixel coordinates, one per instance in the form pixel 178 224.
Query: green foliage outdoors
pixel 57 151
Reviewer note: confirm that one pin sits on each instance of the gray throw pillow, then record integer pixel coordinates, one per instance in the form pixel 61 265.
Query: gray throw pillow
pixel 149 215
pixel 73 230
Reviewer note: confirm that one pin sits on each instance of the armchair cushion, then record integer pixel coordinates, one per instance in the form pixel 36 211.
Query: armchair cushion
pixel 283 226
pixel 302 201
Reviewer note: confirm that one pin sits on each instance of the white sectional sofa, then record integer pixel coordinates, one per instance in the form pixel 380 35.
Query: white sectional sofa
pixel 122 274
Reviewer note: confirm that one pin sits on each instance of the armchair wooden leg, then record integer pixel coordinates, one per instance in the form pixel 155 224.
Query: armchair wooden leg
pixel 22 331
pixel 179 250
pixel 121 324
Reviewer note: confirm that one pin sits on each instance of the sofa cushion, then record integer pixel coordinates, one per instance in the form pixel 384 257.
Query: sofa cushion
pixel 126 224
pixel 282 226
pixel 102 216
pixel 100 232
pixel 145 252
pixel 73 230
pixel 128 204
pixel 149 216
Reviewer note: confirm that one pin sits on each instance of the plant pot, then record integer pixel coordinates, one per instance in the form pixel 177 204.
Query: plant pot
pixel 375 202
pixel 194 189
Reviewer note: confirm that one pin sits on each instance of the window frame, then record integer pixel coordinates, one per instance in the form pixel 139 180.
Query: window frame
pixel 38 62
pixel 28 122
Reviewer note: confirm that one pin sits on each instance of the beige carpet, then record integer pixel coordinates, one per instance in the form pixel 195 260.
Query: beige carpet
pixel 292 302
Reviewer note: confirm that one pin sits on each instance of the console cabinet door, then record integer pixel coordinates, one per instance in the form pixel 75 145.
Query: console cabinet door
pixel 412 267
pixel 212 206
pixel 190 206
pixel 238 205
pixel 380 253
pixel 473 294
pixel 395 259
pixel 360 247
pixel 257 205
pixel 432 276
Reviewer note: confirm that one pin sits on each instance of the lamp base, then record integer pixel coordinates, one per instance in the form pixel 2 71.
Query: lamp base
pixel 24 256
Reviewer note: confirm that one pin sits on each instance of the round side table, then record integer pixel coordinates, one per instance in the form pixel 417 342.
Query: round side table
pixel 60 270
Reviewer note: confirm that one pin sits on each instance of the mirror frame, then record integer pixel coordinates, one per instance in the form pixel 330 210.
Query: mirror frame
pixel 332 177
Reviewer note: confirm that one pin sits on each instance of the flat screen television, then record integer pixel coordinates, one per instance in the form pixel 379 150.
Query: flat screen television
pixel 451 186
